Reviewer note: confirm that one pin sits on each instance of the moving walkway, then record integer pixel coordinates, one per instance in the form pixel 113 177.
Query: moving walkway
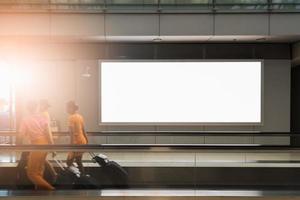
pixel 182 170
pixel 182 166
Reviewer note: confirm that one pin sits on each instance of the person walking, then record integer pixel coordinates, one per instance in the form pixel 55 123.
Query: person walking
pixel 44 111
pixel 77 133
pixel 36 128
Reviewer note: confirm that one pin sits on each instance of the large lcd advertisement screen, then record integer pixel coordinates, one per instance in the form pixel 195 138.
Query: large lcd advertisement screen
pixel 175 92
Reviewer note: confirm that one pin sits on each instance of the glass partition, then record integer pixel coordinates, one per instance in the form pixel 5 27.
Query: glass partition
pixel 241 4
pixel 7 100
pixel 131 4
pixel 188 4
pixel 285 4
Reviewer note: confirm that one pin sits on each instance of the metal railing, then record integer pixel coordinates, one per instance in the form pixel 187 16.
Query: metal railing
pixel 10 137
pixel 172 133
pixel 152 147
pixel 151 5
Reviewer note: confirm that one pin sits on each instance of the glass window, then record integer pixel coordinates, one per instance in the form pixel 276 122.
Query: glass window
pixel 132 2
pixel 185 2
pixel 241 1
pixel 286 1
pixel 285 4
pixel 77 1
pixel 242 4
pixel 7 104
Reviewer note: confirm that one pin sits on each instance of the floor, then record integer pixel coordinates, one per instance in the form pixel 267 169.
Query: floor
pixel 155 194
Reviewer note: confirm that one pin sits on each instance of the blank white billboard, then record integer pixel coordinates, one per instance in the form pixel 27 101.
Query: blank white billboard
pixel 157 92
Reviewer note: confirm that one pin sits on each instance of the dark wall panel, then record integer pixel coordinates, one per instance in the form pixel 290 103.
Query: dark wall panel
pixel 230 51
pixel 295 100
pixel 273 51
pixel 130 51
pixel 180 51
pixel 196 51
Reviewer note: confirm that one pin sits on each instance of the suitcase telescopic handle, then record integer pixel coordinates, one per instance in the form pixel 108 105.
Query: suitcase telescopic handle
pixel 92 154
pixel 60 164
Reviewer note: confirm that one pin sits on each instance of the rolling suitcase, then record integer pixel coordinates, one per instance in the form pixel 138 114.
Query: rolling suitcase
pixel 86 182
pixel 66 178
pixel 22 180
pixel 70 178
pixel 115 173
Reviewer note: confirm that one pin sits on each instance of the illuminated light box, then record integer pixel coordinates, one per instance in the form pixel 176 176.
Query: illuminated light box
pixel 181 92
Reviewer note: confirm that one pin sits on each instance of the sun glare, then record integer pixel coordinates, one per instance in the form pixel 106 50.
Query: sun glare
pixel 15 75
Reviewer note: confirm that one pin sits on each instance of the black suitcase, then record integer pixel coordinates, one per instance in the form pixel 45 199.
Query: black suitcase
pixel 115 173
pixel 86 182
pixel 67 179
pixel 22 180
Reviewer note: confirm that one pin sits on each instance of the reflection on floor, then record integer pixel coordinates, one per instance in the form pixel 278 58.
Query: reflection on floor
pixel 156 193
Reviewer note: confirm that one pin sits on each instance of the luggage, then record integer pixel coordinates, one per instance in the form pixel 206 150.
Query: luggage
pixel 70 178
pixel 65 180
pixel 86 182
pixel 22 180
pixel 117 176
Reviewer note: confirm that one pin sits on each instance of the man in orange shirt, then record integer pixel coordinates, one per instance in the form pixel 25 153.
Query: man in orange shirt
pixel 77 133
pixel 35 127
